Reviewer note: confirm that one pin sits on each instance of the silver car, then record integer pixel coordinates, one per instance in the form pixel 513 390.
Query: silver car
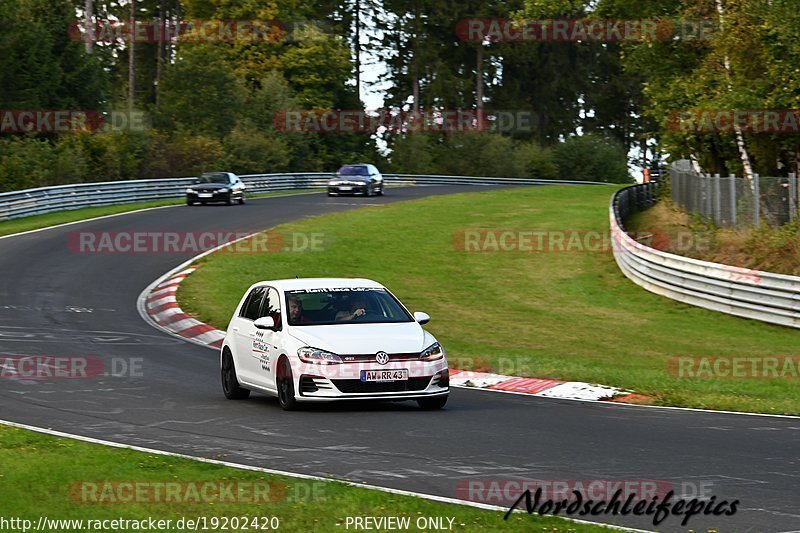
pixel 356 179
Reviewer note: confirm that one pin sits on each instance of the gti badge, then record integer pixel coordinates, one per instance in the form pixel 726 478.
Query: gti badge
pixel 382 358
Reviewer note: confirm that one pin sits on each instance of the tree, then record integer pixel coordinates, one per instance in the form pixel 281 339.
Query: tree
pixel 200 93
pixel 41 67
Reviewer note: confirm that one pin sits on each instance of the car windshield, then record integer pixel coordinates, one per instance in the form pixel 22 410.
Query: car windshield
pixel 322 307
pixel 354 171
pixel 217 177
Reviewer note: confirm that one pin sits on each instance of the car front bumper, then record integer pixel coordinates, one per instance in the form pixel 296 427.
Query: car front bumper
pixel 208 196
pixel 342 382
pixel 361 188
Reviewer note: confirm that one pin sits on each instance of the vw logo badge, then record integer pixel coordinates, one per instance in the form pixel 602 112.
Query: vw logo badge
pixel 382 358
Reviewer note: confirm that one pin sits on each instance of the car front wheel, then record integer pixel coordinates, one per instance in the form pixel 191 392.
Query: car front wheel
pixel 230 383
pixel 285 384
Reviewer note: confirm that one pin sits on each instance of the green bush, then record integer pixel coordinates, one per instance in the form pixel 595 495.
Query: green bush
pixel 414 154
pixel 71 161
pixel 252 151
pixel 591 158
pixel 183 155
pixel 26 162
pixel 536 161
pixel 479 154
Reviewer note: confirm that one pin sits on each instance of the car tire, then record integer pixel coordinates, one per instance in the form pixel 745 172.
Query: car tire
pixel 380 192
pixel 189 202
pixel 241 200
pixel 285 386
pixel 432 404
pixel 229 199
pixel 230 383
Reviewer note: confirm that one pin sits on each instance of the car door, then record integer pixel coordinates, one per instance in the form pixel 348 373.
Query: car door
pixel 269 341
pixel 244 333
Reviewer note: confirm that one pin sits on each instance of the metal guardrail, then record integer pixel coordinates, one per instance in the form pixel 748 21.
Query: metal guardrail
pixel 62 197
pixel 773 298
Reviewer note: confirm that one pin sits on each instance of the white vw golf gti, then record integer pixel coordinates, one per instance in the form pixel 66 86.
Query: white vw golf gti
pixel 313 340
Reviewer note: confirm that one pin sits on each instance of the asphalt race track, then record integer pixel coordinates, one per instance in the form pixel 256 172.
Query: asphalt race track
pixel 59 303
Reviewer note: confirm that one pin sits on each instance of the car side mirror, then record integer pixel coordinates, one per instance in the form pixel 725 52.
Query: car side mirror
pixel 265 322
pixel 422 318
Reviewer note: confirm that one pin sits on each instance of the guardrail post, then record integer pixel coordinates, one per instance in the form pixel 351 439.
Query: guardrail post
pixel 756 200
pixel 792 196
pixel 717 200
pixel 732 186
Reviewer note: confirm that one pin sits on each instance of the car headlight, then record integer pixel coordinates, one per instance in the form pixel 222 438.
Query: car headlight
pixel 434 352
pixel 316 356
pixel 190 191
pixel 225 190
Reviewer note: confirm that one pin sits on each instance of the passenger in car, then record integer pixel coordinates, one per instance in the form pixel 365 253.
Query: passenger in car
pixel 296 315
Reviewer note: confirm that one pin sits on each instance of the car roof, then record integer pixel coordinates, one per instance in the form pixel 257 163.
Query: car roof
pixel 321 283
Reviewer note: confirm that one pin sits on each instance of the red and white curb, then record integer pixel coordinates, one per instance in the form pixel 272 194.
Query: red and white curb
pixel 163 309
pixel 549 388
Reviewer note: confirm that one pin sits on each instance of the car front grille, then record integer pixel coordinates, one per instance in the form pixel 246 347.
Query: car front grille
pixel 353 386
pixel 370 357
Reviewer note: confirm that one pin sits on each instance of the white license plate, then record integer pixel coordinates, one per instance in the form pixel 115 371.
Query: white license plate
pixel 345 188
pixel 384 375
pixel 205 195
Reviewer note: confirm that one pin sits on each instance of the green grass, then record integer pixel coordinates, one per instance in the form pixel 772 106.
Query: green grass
pixel 45 475
pixel 570 316
pixel 18 225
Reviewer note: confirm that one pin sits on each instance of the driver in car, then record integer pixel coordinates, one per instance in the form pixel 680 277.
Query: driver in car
pixel 358 304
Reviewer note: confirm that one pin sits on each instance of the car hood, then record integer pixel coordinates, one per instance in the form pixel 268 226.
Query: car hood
pixel 406 337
